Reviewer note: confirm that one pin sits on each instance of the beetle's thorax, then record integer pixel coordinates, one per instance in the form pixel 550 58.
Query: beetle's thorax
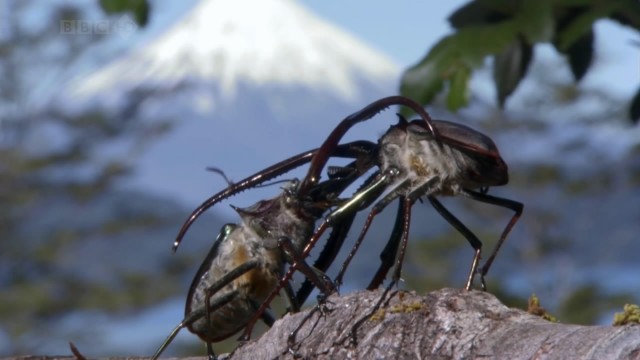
pixel 278 217
pixel 421 159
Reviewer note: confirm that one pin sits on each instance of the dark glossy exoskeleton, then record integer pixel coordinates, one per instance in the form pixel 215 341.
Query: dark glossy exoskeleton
pixel 424 158
pixel 415 163
pixel 463 162
pixel 346 211
pixel 247 260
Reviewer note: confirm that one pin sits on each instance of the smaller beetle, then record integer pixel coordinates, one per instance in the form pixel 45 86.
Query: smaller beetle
pixel 247 260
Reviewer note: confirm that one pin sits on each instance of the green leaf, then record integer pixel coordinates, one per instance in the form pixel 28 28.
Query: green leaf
pixel 421 83
pixel 634 109
pixel 628 14
pixel 459 89
pixel 460 52
pixel 481 12
pixel 138 8
pixel 582 24
pixel 510 67
pixel 115 6
pixel 535 20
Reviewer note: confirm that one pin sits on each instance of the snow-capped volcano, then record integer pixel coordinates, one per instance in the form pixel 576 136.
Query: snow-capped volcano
pixel 247 83
pixel 259 42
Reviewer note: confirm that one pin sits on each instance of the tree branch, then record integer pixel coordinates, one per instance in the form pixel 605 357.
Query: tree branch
pixel 444 324
pixel 448 323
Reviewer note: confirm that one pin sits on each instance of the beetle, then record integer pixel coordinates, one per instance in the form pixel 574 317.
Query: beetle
pixel 247 259
pixel 420 159
pixel 464 162
pixel 244 261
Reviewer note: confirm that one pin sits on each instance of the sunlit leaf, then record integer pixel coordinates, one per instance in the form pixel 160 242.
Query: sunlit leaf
pixel 581 23
pixel 458 95
pixel 138 8
pixel 462 51
pixel 510 67
pixel 482 12
pixel 535 20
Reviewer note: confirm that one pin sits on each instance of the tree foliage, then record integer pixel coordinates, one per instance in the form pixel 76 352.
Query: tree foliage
pixel 140 9
pixel 56 182
pixel 507 31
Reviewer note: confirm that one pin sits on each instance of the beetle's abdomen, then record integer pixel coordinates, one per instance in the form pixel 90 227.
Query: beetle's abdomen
pixel 252 287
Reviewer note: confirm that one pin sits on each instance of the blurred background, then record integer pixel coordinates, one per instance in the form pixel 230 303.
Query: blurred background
pixel 109 117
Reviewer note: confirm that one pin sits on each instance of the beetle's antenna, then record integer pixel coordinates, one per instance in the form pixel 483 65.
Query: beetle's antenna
pixel 231 183
pixel 221 173
pixel 275 183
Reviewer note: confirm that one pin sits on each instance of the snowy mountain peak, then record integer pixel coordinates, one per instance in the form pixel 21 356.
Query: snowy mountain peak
pixel 255 41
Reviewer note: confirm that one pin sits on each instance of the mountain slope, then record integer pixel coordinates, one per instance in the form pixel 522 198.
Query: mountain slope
pixel 245 83
pixel 261 42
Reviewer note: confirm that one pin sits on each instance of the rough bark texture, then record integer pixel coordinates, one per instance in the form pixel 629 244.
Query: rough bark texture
pixel 444 324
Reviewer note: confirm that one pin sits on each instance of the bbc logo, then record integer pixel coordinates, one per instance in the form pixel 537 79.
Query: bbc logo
pixel 124 25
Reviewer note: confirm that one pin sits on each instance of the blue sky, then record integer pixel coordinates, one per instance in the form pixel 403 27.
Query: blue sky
pixel 404 30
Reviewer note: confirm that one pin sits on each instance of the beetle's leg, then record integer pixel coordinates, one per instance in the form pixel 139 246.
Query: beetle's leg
pixel 320 307
pixel 406 204
pixel 356 245
pixel 328 254
pixel 346 208
pixel 227 279
pixel 366 197
pixel 320 280
pixel 299 263
pixel 212 306
pixel 342 226
pixel 218 285
pixel 335 241
pixel 517 207
pixel 377 208
pixel 294 304
pixel 193 316
pixel 210 354
pixel 476 244
pixel 403 228
pixel 390 251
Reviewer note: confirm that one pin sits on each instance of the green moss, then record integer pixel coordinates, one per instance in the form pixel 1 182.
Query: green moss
pixel 406 307
pixel 378 315
pixel 534 308
pixel 630 315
